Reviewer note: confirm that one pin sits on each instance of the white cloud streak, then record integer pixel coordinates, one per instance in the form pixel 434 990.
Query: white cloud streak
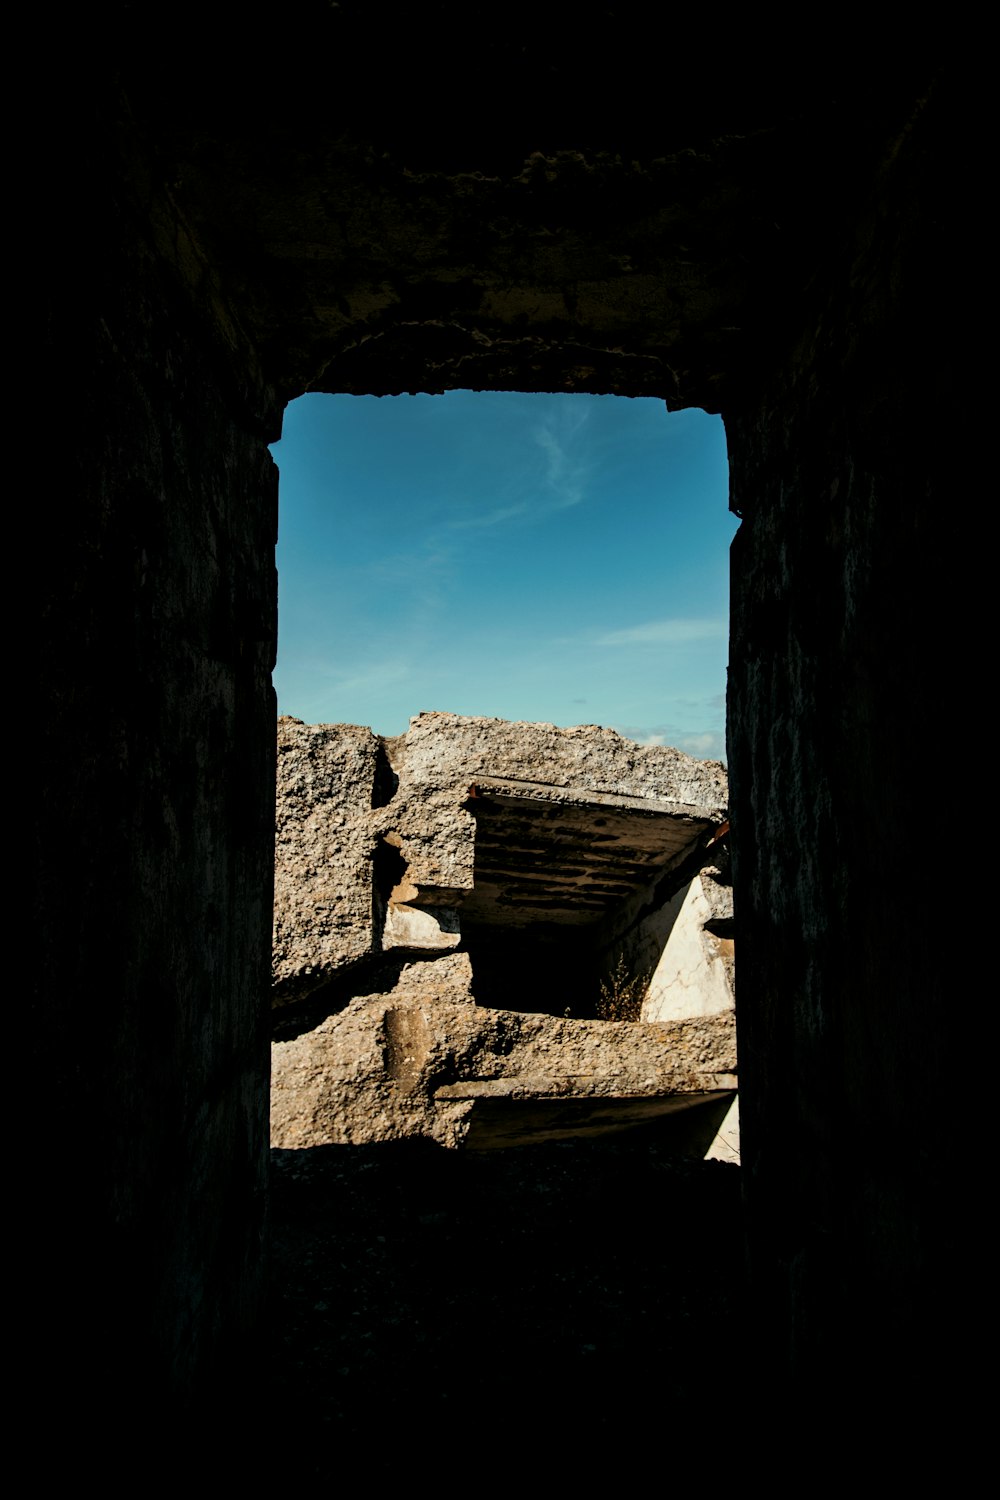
pixel 705 744
pixel 543 483
pixel 665 633
pixel 496 517
pixel 565 471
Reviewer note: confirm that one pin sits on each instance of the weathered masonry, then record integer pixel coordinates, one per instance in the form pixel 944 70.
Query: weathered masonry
pixel 331 202
pixel 461 911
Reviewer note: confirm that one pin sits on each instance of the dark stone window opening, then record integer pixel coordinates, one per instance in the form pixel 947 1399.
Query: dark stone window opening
pixel 553 970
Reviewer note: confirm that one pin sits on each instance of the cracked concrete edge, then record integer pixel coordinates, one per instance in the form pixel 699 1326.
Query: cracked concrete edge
pixel 329 912
pixel 385 1069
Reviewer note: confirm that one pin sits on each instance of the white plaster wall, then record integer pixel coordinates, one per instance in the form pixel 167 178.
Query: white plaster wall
pixel 690 978
pixel 726 1146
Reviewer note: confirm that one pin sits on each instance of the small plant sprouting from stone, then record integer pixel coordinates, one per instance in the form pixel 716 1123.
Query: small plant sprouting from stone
pixel 622 993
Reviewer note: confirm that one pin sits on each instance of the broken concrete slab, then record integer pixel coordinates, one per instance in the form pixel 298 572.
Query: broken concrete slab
pixel 416 1063
pixel 323 855
pixel 500 872
pixel 400 843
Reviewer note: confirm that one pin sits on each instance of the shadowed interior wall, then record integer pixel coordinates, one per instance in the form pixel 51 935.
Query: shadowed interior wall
pixel 752 243
pixel 152 555
pixel 851 471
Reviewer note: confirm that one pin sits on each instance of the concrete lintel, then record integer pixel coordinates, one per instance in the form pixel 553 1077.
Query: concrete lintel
pixel 720 1086
pixel 502 786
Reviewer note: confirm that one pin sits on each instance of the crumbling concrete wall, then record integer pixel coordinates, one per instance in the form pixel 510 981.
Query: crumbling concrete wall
pixel 340 839
pixel 421 1059
pixel 378 1032
pixel 325 842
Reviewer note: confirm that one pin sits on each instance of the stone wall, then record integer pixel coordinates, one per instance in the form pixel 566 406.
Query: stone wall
pixel 151 558
pixel 527 862
pixel 846 603
pixel 380 844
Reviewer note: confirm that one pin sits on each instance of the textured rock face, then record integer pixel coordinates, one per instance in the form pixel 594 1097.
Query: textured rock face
pixel 583 832
pixel 419 1063
pixel 370 860
pixel 612 233
pixel 441 750
pixel 324 841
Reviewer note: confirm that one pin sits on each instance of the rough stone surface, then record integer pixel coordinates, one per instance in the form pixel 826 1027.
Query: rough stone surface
pixel 371 858
pixel 324 842
pixel 444 757
pixel 444 750
pixel 611 233
pixel 403 1049
pixel 413 1063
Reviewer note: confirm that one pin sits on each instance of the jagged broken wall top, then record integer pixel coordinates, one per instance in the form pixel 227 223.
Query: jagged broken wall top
pixel 394 1040
pixel 331 816
pixel 570 208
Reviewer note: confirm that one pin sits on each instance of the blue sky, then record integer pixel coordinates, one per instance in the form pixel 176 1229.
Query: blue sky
pixel 552 558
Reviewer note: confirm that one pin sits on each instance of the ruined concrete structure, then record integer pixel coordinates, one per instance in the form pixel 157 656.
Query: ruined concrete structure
pixel 354 199
pixel 540 872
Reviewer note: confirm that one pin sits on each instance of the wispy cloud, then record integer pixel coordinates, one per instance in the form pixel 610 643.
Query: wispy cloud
pixel 708 744
pixel 496 517
pixel 552 475
pixel 657 734
pixel 665 633
pixel 703 744
pixel 566 467
pixel 433 559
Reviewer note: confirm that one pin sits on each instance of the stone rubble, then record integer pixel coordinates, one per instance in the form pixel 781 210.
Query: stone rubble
pixel 377 860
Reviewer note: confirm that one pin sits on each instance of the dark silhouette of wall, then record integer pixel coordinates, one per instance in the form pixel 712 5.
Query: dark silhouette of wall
pixel 339 208
pixel 846 597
